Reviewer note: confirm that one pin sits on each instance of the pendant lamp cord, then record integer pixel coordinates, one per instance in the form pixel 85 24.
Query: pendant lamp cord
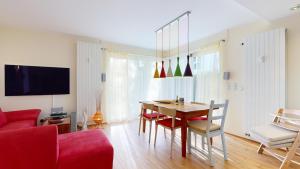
pixel 188 32
pixel 156 46
pixel 162 43
pixel 178 38
pixel 170 40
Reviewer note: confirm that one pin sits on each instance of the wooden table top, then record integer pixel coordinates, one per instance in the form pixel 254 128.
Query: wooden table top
pixel 66 121
pixel 186 107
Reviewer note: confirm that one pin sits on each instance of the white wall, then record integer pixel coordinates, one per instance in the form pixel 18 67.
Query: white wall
pixel 28 47
pixel 234 63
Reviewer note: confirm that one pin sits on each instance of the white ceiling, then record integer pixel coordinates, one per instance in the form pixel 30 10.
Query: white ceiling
pixel 270 9
pixel 133 22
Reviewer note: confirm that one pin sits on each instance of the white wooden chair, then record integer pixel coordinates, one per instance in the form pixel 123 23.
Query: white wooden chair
pixel 208 129
pixel 283 132
pixel 149 117
pixel 170 123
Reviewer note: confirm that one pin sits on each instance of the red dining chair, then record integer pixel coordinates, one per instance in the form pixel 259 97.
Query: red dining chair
pixel 148 117
pixel 170 122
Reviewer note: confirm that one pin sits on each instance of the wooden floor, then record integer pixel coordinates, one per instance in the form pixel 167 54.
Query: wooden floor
pixel 133 152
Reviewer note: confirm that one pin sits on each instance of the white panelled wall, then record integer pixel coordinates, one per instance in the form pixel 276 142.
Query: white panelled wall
pixel 264 77
pixel 88 77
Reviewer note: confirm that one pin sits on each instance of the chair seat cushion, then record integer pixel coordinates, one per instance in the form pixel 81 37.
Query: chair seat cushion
pixel 3 119
pixel 153 115
pixel 85 149
pixel 201 126
pixel 18 125
pixel 197 118
pixel 271 133
pixel 168 123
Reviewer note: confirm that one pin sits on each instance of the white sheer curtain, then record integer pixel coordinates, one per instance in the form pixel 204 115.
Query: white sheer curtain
pixel 129 79
pixel 208 75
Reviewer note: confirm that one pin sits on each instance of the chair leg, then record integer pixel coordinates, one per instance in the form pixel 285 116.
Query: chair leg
pixel 202 142
pixel 195 135
pixel 150 130
pixel 290 155
pixel 209 151
pixel 172 142
pixel 140 125
pixel 224 146
pixel 261 149
pixel 156 126
pixel 189 140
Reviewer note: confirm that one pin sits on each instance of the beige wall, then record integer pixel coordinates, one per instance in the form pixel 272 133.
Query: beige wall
pixel 41 49
pixel 26 47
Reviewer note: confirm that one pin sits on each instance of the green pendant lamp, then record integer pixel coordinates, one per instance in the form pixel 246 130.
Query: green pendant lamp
pixel 162 72
pixel 178 71
pixel 156 74
pixel 188 70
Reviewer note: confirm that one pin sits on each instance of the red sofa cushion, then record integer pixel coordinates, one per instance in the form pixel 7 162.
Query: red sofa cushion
pixel 31 148
pixel 85 149
pixel 153 115
pixel 3 119
pixel 19 125
pixel 168 122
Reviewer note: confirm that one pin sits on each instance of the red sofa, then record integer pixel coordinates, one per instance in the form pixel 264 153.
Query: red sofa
pixel 18 119
pixel 43 148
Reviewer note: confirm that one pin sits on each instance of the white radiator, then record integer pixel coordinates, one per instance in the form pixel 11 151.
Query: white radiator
pixel 264 77
pixel 88 77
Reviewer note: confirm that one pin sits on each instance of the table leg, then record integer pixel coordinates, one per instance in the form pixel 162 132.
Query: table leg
pixel 144 121
pixel 183 136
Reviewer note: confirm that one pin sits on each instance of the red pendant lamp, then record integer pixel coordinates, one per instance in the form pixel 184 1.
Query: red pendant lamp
pixel 188 70
pixel 162 72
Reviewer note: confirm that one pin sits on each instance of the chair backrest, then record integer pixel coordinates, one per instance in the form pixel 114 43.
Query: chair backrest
pixel 57 109
pixel 168 112
pixel 211 117
pixel 287 118
pixel 147 106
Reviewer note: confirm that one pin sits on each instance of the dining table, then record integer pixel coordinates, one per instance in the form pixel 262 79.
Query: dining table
pixel 184 111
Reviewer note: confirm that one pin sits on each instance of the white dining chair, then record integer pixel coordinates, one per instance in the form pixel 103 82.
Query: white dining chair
pixel 209 129
pixel 170 122
pixel 152 116
pixel 283 132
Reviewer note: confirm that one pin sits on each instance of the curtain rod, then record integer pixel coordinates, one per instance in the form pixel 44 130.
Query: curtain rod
pixel 185 13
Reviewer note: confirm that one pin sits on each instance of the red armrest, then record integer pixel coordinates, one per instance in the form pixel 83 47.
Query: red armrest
pixel 31 114
pixel 33 148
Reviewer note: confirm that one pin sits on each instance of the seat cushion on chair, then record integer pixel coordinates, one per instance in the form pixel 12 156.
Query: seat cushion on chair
pixel 18 125
pixel 201 126
pixel 197 118
pixel 153 115
pixel 271 133
pixel 168 123
pixel 3 119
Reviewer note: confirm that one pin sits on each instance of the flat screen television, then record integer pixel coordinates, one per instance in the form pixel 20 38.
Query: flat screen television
pixel 35 80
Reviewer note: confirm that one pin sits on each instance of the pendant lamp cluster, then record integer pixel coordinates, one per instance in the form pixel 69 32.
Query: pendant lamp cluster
pixel 177 73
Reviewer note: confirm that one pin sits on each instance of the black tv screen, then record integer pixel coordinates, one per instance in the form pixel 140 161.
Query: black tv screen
pixel 33 80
